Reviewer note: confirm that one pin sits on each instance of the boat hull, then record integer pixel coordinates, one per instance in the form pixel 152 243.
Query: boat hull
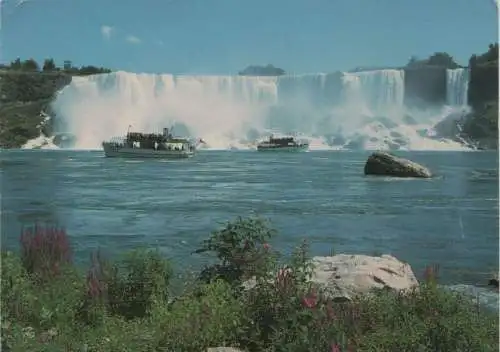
pixel 125 152
pixel 289 149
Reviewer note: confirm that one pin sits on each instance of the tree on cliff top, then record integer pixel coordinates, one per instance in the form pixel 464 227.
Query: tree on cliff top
pixel 439 59
pixel 49 65
pixel 26 65
pixel 488 58
pixel 30 65
pixel 268 70
pixel 91 70
pixel 443 59
pixel 16 64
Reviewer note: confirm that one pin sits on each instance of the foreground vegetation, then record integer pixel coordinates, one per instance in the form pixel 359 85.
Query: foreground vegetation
pixel 48 304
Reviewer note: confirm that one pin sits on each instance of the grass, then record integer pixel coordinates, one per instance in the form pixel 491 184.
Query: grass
pixel 48 304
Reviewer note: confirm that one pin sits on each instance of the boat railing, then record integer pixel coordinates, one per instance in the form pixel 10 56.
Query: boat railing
pixel 116 140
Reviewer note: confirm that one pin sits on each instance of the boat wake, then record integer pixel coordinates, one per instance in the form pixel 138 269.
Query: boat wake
pixel 350 111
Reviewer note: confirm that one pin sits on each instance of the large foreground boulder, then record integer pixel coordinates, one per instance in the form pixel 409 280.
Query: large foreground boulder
pixel 385 164
pixel 347 276
pixel 344 277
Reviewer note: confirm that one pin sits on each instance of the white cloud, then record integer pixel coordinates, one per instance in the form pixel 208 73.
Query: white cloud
pixel 133 39
pixel 107 31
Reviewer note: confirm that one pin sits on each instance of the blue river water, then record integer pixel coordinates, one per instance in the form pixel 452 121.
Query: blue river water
pixel 323 196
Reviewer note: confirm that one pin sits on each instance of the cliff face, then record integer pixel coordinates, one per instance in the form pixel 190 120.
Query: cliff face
pixel 483 85
pixel 23 96
pixel 482 124
pixel 424 86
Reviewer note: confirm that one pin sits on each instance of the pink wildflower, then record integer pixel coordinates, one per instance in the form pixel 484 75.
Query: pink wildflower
pixel 335 348
pixel 310 300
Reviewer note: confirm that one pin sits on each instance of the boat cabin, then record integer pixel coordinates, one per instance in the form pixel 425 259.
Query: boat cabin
pixel 154 141
pixel 281 140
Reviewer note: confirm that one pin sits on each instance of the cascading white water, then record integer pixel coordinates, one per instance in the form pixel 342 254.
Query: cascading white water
pixel 378 89
pixel 457 86
pixel 342 110
pixel 216 108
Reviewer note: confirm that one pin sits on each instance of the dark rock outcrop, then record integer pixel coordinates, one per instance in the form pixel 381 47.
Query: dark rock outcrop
pixel 480 127
pixel 483 84
pixel 425 86
pixel 385 164
pixel 493 281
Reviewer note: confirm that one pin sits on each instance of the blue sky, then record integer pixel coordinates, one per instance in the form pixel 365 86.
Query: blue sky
pixel 224 36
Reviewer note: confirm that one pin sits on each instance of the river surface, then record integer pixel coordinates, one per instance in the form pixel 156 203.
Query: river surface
pixel 323 196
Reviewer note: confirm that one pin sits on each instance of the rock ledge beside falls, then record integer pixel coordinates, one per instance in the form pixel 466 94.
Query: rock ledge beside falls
pixel 385 164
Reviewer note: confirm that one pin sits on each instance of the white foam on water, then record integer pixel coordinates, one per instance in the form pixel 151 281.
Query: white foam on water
pixel 41 142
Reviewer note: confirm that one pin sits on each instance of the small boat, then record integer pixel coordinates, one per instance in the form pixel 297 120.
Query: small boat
pixel 150 145
pixel 286 143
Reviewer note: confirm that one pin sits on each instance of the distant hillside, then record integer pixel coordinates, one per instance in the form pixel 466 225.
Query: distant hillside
pixel 268 70
pixel 26 90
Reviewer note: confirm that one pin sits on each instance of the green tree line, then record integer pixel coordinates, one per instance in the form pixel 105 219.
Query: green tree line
pixel 48 65
pixel 442 59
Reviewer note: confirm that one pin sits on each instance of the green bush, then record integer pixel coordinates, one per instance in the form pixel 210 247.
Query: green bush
pixel 243 250
pixel 139 283
pixel 262 305
pixel 210 316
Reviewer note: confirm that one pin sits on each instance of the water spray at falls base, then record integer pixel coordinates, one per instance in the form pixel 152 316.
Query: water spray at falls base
pixel 362 111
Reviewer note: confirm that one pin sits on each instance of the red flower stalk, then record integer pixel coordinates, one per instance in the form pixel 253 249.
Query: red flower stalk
pixel 44 249
pixel 310 300
pixel 335 348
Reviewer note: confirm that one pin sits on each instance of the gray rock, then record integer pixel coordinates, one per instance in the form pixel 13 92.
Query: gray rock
pixel 223 349
pixel 385 164
pixel 343 276
pixel 347 276
pixel 493 281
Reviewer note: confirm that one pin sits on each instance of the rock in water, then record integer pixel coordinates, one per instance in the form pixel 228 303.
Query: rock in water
pixel 347 276
pixel 385 164
pixel 493 281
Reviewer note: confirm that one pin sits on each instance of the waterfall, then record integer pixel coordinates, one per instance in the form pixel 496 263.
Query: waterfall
pixel 457 86
pixel 362 109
